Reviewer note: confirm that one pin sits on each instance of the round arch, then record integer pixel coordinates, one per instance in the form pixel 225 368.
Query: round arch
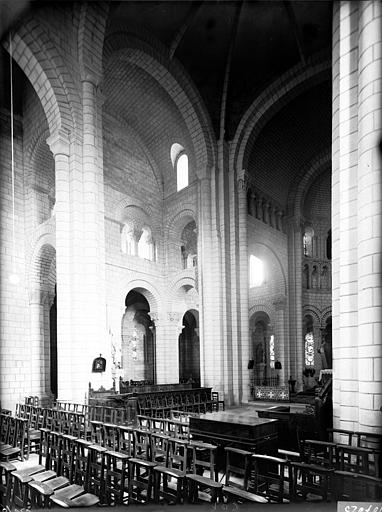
pixel 189 347
pixel 304 179
pixel 55 90
pixel 145 288
pixel 293 82
pixel 314 312
pixel 170 77
pixel 42 267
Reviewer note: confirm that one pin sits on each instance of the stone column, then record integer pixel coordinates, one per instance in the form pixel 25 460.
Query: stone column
pixel 211 350
pixel 281 345
pixel 369 210
pixel 167 347
pixel 37 374
pixel 90 337
pixel 243 313
pixel 356 215
pixel 296 344
pixel 60 147
pixel 48 299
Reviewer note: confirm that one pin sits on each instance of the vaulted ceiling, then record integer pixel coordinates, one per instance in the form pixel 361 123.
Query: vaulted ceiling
pixel 246 44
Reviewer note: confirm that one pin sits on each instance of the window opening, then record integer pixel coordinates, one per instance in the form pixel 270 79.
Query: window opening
pixel 272 351
pixel 182 172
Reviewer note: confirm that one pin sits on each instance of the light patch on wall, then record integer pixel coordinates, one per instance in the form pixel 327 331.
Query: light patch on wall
pixel 256 271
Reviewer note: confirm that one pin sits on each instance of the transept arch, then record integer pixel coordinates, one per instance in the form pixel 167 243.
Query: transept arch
pixel 55 90
pixel 273 98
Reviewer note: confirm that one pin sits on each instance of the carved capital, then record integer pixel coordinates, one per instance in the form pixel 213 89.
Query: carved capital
pixel 91 76
pixel 174 316
pixel 243 180
pixel 35 296
pixel 59 142
pixel 154 316
pixel 293 224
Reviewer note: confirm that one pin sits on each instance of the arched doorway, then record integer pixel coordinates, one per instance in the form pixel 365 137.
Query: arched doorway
pixel 189 348
pixel 263 350
pixel 138 340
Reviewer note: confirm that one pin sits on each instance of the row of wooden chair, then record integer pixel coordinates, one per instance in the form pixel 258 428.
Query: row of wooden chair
pixel 167 426
pixel 355 438
pixel 160 404
pixel 334 471
pixel 343 457
pixel 68 420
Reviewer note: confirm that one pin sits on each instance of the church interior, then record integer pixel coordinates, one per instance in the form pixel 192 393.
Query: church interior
pixel 191 251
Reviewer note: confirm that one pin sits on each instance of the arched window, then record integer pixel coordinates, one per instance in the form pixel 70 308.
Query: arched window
pixel 146 245
pixel 308 242
pixel 256 271
pixel 189 247
pixel 182 172
pixel 309 341
pixel 179 161
pixel 272 351
pixel 127 239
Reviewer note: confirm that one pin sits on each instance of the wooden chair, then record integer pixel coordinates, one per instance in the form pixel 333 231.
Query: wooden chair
pixel 87 495
pixel 16 438
pixel 55 449
pixel 81 454
pixel 202 487
pixel 237 475
pixel 175 468
pixel 272 478
pixel 144 422
pixel 95 469
pixel 141 469
pixel 96 432
pixel 217 404
pixel 119 416
pixel 5 431
pixel 357 459
pixel 108 413
pixel 115 477
pixel 126 440
pixel 312 480
pixel 6 468
pixel 19 482
pixel 67 456
pixel 323 453
pixel 110 436
pixel 37 497
pixel 349 486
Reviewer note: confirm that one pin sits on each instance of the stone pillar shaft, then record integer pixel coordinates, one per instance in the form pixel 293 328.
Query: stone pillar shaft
pixel 244 353
pixel 59 144
pixel 369 213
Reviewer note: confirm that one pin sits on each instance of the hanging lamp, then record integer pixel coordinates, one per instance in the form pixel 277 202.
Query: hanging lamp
pixel 13 277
